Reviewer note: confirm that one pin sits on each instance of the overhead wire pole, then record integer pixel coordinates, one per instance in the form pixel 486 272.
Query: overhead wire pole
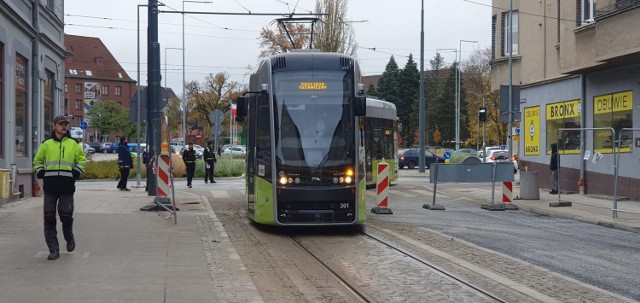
pixel 510 46
pixel 421 110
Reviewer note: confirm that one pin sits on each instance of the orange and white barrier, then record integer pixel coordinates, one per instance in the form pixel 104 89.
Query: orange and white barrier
pixel 382 190
pixel 164 187
pixel 507 192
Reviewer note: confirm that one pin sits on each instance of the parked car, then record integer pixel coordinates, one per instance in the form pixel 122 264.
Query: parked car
pixel 409 158
pixel 469 152
pixel 113 148
pixel 95 146
pixel 105 147
pixel 234 150
pixel 501 155
pixel 87 149
pixel 199 150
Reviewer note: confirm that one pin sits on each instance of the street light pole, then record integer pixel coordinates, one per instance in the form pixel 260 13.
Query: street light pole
pixel 421 110
pixel 458 83
pixel 165 63
pixel 184 83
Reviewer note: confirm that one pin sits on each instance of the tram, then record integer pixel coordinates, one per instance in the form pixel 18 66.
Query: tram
pixel 303 117
pixel 381 138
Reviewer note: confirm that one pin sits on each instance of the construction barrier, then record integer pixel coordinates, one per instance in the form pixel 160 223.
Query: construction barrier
pixel 507 192
pixel 382 190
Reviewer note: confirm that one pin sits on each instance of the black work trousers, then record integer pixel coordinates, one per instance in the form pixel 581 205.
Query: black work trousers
pixel 191 169
pixel 209 167
pixel 64 204
pixel 124 177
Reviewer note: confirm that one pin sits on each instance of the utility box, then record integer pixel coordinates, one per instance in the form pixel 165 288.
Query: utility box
pixel 5 183
pixel 529 189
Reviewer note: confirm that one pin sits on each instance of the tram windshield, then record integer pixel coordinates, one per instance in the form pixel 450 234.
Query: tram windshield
pixel 314 126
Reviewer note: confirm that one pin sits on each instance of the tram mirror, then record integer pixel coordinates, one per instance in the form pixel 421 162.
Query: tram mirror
pixel 264 87
pixel 241 107
pixel 360 106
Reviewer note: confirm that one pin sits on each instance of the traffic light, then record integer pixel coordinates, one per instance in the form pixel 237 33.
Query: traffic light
pixel 482 114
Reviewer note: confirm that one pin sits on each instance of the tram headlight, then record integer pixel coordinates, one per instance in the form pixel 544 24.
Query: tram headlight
pixel 341 179
pixel 297 180
pixel 335 180
pixel 283 180
pixel 349 172
pixel 347 180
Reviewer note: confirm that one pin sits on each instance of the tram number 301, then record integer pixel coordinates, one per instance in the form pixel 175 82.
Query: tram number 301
pixel 344 205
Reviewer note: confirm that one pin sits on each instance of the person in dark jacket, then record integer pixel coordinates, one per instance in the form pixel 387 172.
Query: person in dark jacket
pixel 124 163
pixel 210 160
pixel 553 166
pixel 189 158
pixel 59 162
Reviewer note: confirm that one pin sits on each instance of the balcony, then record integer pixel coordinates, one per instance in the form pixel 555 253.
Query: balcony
pixel 619 5
pixel 611 41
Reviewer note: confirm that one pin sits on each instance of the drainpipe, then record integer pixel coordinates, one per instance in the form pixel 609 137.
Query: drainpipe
pixel 35 92
pixel 583 122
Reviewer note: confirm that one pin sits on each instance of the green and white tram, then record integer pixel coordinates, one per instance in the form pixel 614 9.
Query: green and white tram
pixel 305 140
pixel 381 137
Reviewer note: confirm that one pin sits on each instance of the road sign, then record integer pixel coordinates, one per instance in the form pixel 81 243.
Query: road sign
pixel 447 155
pixel 216 117
pixel 517 131
pixel 133 104
pixel 216 129
pixel 84 125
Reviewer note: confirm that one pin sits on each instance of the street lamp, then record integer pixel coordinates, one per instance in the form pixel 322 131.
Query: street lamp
pixel 458 93
pixel 482 117
pixel 138 95
pixel 165 63
pixel 184 50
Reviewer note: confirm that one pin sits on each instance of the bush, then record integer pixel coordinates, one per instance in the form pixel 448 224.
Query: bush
pixel 226 166
pixel 107 170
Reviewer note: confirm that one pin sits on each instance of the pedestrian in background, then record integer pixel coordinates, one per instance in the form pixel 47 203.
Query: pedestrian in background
pixel 189 158
pixel 59 162
pixel 210 160
pixel 124 163
pixel 553 166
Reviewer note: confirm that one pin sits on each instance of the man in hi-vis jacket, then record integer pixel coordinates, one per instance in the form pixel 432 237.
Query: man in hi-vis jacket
pixel 59 162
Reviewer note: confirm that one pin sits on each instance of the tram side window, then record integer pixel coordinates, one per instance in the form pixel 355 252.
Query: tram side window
pixel 616 111
pixel 263 138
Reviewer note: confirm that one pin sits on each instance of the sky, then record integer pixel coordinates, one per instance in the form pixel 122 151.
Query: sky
pixel 218 43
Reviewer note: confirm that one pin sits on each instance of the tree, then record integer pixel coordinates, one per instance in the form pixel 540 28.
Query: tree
pixel 478 83
pixel 408 90
pixel 276 42
pixel 109 116
pixel 372 90
pixel 334 34
pixel 331 34
pixel 217 92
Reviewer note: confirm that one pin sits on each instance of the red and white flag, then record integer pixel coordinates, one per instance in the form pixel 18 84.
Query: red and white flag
pixel 233 109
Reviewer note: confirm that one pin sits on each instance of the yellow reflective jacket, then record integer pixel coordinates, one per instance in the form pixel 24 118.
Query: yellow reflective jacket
pixel 59 159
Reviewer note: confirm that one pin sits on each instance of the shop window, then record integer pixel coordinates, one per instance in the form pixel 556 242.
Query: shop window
pixel 615 111
pixel 564 114
pixel 48 101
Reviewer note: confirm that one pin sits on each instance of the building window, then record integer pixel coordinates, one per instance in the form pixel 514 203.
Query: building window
pixel 118 91
pixel 48 101
pixel 494 19
pixel 1 94
pixel 21 105
pixel 78 88
pixel 613 110
pixel 564 114
pixel 105 90
pixel 51 4
pixel 78 104
pixel 586 11
pixel 506 27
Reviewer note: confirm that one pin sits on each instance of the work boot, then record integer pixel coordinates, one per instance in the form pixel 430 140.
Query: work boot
pixel 71 245
pixel 54 255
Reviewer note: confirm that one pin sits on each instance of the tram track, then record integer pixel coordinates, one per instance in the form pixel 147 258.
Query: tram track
pixel 363 296
pixel 434 267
